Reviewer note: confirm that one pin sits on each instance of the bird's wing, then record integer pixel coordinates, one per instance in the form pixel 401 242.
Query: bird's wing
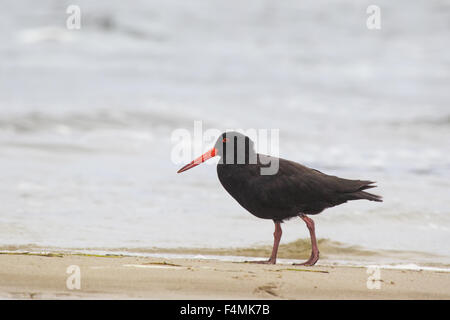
pixel 304 188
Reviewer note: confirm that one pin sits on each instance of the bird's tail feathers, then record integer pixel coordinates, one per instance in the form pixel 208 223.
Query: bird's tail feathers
pixel 366 195
pixel 367 185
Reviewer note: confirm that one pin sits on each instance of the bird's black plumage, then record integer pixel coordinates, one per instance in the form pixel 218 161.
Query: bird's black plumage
pixel 292 190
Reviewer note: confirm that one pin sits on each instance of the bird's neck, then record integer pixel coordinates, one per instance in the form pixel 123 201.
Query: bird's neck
pixel 249 157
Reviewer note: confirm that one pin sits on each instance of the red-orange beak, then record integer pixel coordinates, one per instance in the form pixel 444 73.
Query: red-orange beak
pixel 207 155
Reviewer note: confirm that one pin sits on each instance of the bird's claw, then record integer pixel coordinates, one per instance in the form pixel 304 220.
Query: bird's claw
pixel 306 263
pixel 310 262
pixel 262 261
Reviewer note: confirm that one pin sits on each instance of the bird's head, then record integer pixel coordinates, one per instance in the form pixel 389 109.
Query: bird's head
pixel 232 148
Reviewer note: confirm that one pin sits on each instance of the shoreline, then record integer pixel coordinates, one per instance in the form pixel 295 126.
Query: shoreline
pixel 438 267
pixel 44 276
pixel 332 253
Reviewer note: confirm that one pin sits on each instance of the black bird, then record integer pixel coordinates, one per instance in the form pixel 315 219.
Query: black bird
pixel 293 190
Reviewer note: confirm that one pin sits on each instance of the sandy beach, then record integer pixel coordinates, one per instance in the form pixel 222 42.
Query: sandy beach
pixel 26 276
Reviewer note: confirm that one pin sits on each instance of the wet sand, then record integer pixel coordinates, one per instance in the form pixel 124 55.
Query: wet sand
pixel 25 276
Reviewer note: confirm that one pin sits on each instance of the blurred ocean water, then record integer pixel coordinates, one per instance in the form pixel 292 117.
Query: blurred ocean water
pixel 86 118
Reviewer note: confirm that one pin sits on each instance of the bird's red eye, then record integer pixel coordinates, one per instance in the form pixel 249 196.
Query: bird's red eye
pixel 225 140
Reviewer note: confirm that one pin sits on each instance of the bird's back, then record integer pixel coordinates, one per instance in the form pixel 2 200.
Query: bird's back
pixel 294 189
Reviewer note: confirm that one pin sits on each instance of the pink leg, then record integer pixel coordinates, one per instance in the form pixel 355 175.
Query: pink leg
pixel 315 249
pixel 276 241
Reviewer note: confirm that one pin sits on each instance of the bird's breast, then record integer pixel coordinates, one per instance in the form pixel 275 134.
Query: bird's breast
pixel 240 182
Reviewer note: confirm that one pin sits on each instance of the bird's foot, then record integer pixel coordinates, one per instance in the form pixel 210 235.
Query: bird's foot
pixel 270 261
pixel 310 262
pixel 306 263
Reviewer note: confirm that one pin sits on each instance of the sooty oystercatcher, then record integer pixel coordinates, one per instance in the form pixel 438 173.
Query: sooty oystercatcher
pixel 292 190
